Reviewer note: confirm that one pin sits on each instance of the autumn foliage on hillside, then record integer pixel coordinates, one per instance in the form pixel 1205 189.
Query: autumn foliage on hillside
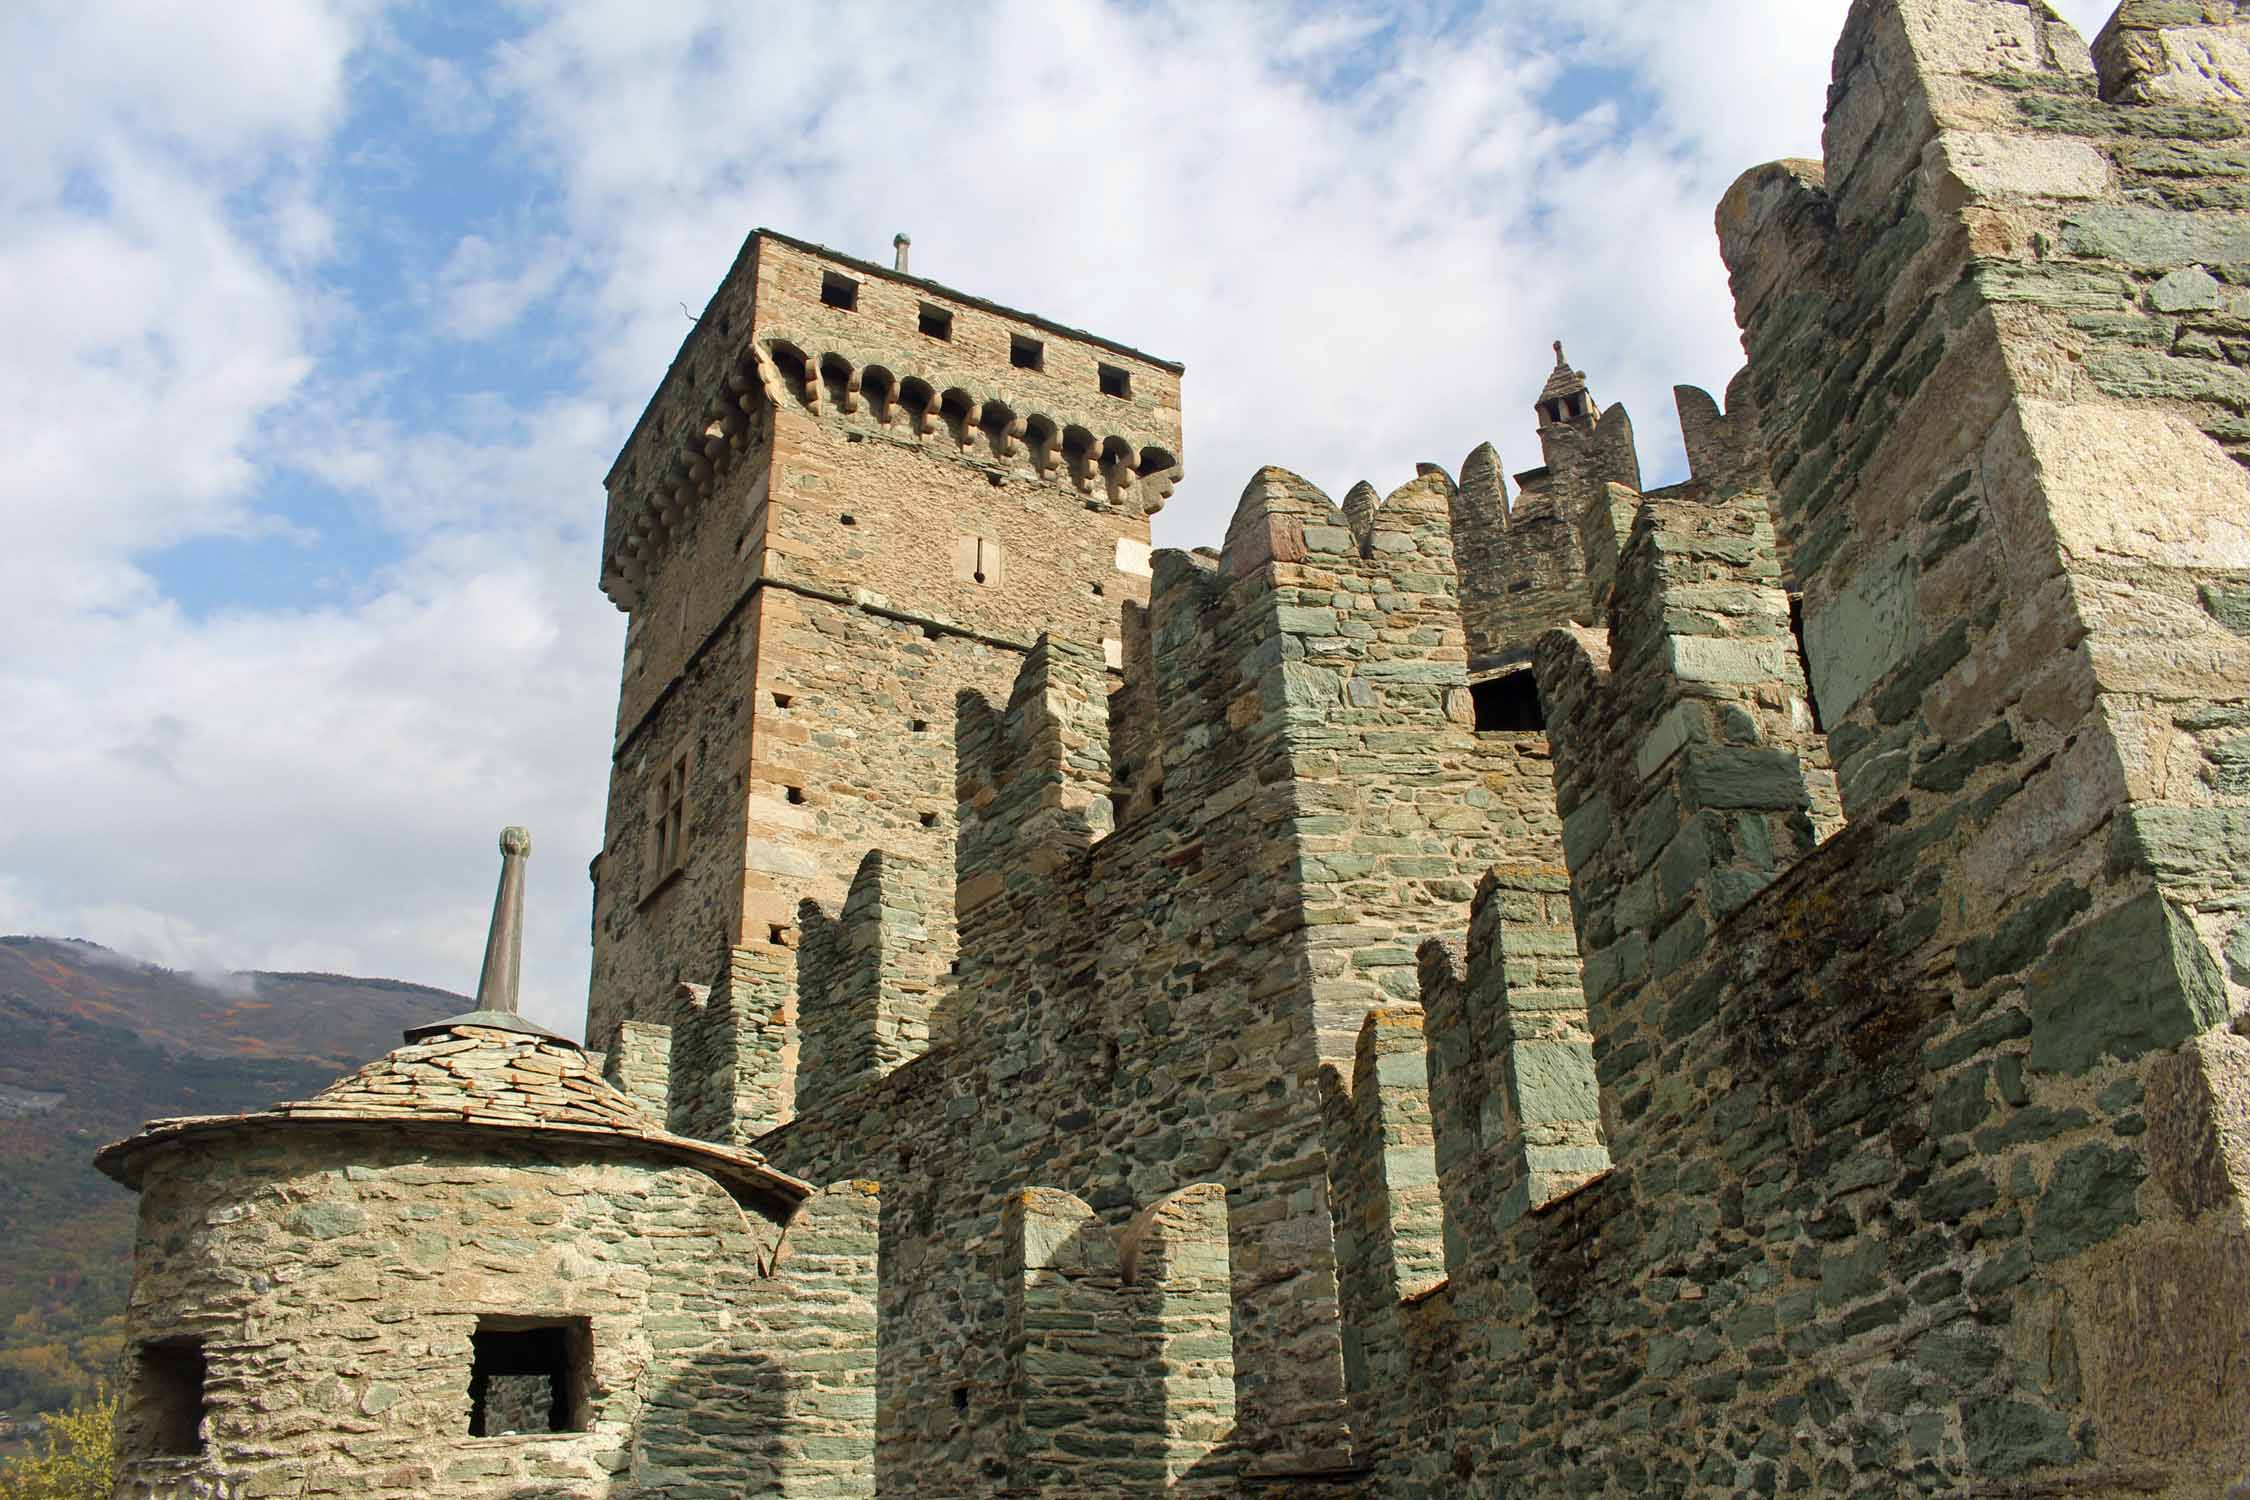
pixel 91 1046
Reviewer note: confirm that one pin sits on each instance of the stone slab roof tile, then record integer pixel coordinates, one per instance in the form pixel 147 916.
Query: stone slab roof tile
pixel 480 1077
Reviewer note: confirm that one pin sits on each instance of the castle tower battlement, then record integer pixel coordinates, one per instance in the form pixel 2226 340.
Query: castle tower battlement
pixel 855 494
pixel 1737 988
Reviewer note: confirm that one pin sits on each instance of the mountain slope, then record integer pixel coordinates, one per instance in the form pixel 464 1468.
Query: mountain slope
pixel 91 1045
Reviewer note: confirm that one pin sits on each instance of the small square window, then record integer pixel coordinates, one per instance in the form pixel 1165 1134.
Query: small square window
pixel 795 794
pixel 936 322
pixel 778 936
pixel 1115 382
pixel 1508 704
pixel 919 726
pixel 168 1397
pixel 1026 354
pixel 782 700
pixel 929 820
pixel 839 292
pixel 529 1376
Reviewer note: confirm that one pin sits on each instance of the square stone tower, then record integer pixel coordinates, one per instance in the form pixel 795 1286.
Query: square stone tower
pixel 855 494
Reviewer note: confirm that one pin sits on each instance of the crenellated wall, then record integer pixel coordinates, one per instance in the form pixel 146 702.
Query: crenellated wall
pixel 1805 1062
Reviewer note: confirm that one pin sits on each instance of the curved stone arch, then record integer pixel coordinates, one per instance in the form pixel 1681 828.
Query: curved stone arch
pixel 959 411
pixel 1117 468
pixel 796 370
pixel 1042 438
pixel 1001 427
pixel 879 387
pixel 839 380
pixel 919 399
pixel 1160 473
pixel 1081 452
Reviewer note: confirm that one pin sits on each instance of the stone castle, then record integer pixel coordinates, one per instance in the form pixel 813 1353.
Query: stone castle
pixel 1550 990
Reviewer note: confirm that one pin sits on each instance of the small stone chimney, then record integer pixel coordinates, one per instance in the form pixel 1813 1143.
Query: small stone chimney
pixel 900 243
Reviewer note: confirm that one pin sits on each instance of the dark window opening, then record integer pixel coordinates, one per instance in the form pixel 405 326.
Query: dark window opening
pixel 1804 662
pixel 1156 794
pixel 839 292
pixel 794 794
pixel 168 1388
pixel 931 632
pixel 1115 382
pixel 953 967
pixel 960 1398
pixel 1097 591
pixel 778 936
pixel 1026 354
pixel 936 322
pixel 996 480
pixel 1508 704
pixel 529 1377
pixel 781 700
pixel 919 726
pixel 929 820
pixel 848 520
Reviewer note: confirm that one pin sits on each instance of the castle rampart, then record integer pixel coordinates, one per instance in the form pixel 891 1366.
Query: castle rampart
pixel 1735 988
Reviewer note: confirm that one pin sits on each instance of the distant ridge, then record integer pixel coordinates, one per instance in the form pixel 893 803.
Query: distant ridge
pixel 92 1043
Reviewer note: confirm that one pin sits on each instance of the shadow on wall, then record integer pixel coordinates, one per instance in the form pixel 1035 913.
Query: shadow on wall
pixel 717 1426
pixel 1122 1349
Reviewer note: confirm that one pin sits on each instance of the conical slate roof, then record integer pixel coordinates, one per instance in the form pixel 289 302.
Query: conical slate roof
pixel 485 1075
pixel 1563 381
pixel 489 1075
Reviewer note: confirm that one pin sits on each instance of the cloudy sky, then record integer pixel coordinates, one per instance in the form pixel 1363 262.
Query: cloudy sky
pixel 320 321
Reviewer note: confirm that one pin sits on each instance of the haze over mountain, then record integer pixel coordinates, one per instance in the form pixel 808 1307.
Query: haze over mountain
pixel 92 1044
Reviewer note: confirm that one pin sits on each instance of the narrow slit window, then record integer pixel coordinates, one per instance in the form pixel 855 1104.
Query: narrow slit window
pixel 529 1376
pixel 935 322
pixel 839 292
pixel 1026 354
pixel 1114 381
pixel 168 1389
pixel 1508 704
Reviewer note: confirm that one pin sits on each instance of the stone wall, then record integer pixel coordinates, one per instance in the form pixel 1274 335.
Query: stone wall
pixel 335 1279
pixel 828 523
pixel 1706 1095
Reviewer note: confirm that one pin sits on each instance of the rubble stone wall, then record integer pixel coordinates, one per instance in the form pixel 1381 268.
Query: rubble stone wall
pixel 334 1284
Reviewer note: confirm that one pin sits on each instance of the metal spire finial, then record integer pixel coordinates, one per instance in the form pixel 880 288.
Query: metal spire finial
pixel 503 947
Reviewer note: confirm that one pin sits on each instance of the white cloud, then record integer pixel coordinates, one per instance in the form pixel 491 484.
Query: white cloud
pixel 1359 226
pixel 483 291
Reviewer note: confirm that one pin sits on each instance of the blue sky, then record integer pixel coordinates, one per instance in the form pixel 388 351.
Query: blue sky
pixel 320 321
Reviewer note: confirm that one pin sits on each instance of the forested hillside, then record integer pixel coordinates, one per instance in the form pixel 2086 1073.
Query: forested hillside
pixel 91 1045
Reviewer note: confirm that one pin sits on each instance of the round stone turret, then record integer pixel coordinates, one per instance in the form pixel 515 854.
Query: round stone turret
pixel 458 1272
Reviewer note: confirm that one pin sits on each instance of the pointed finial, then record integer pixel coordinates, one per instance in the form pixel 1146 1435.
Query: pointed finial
pixel 503 947
pixel 1560 362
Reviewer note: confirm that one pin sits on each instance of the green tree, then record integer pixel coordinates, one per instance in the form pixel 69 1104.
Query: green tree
pixel 79 1460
